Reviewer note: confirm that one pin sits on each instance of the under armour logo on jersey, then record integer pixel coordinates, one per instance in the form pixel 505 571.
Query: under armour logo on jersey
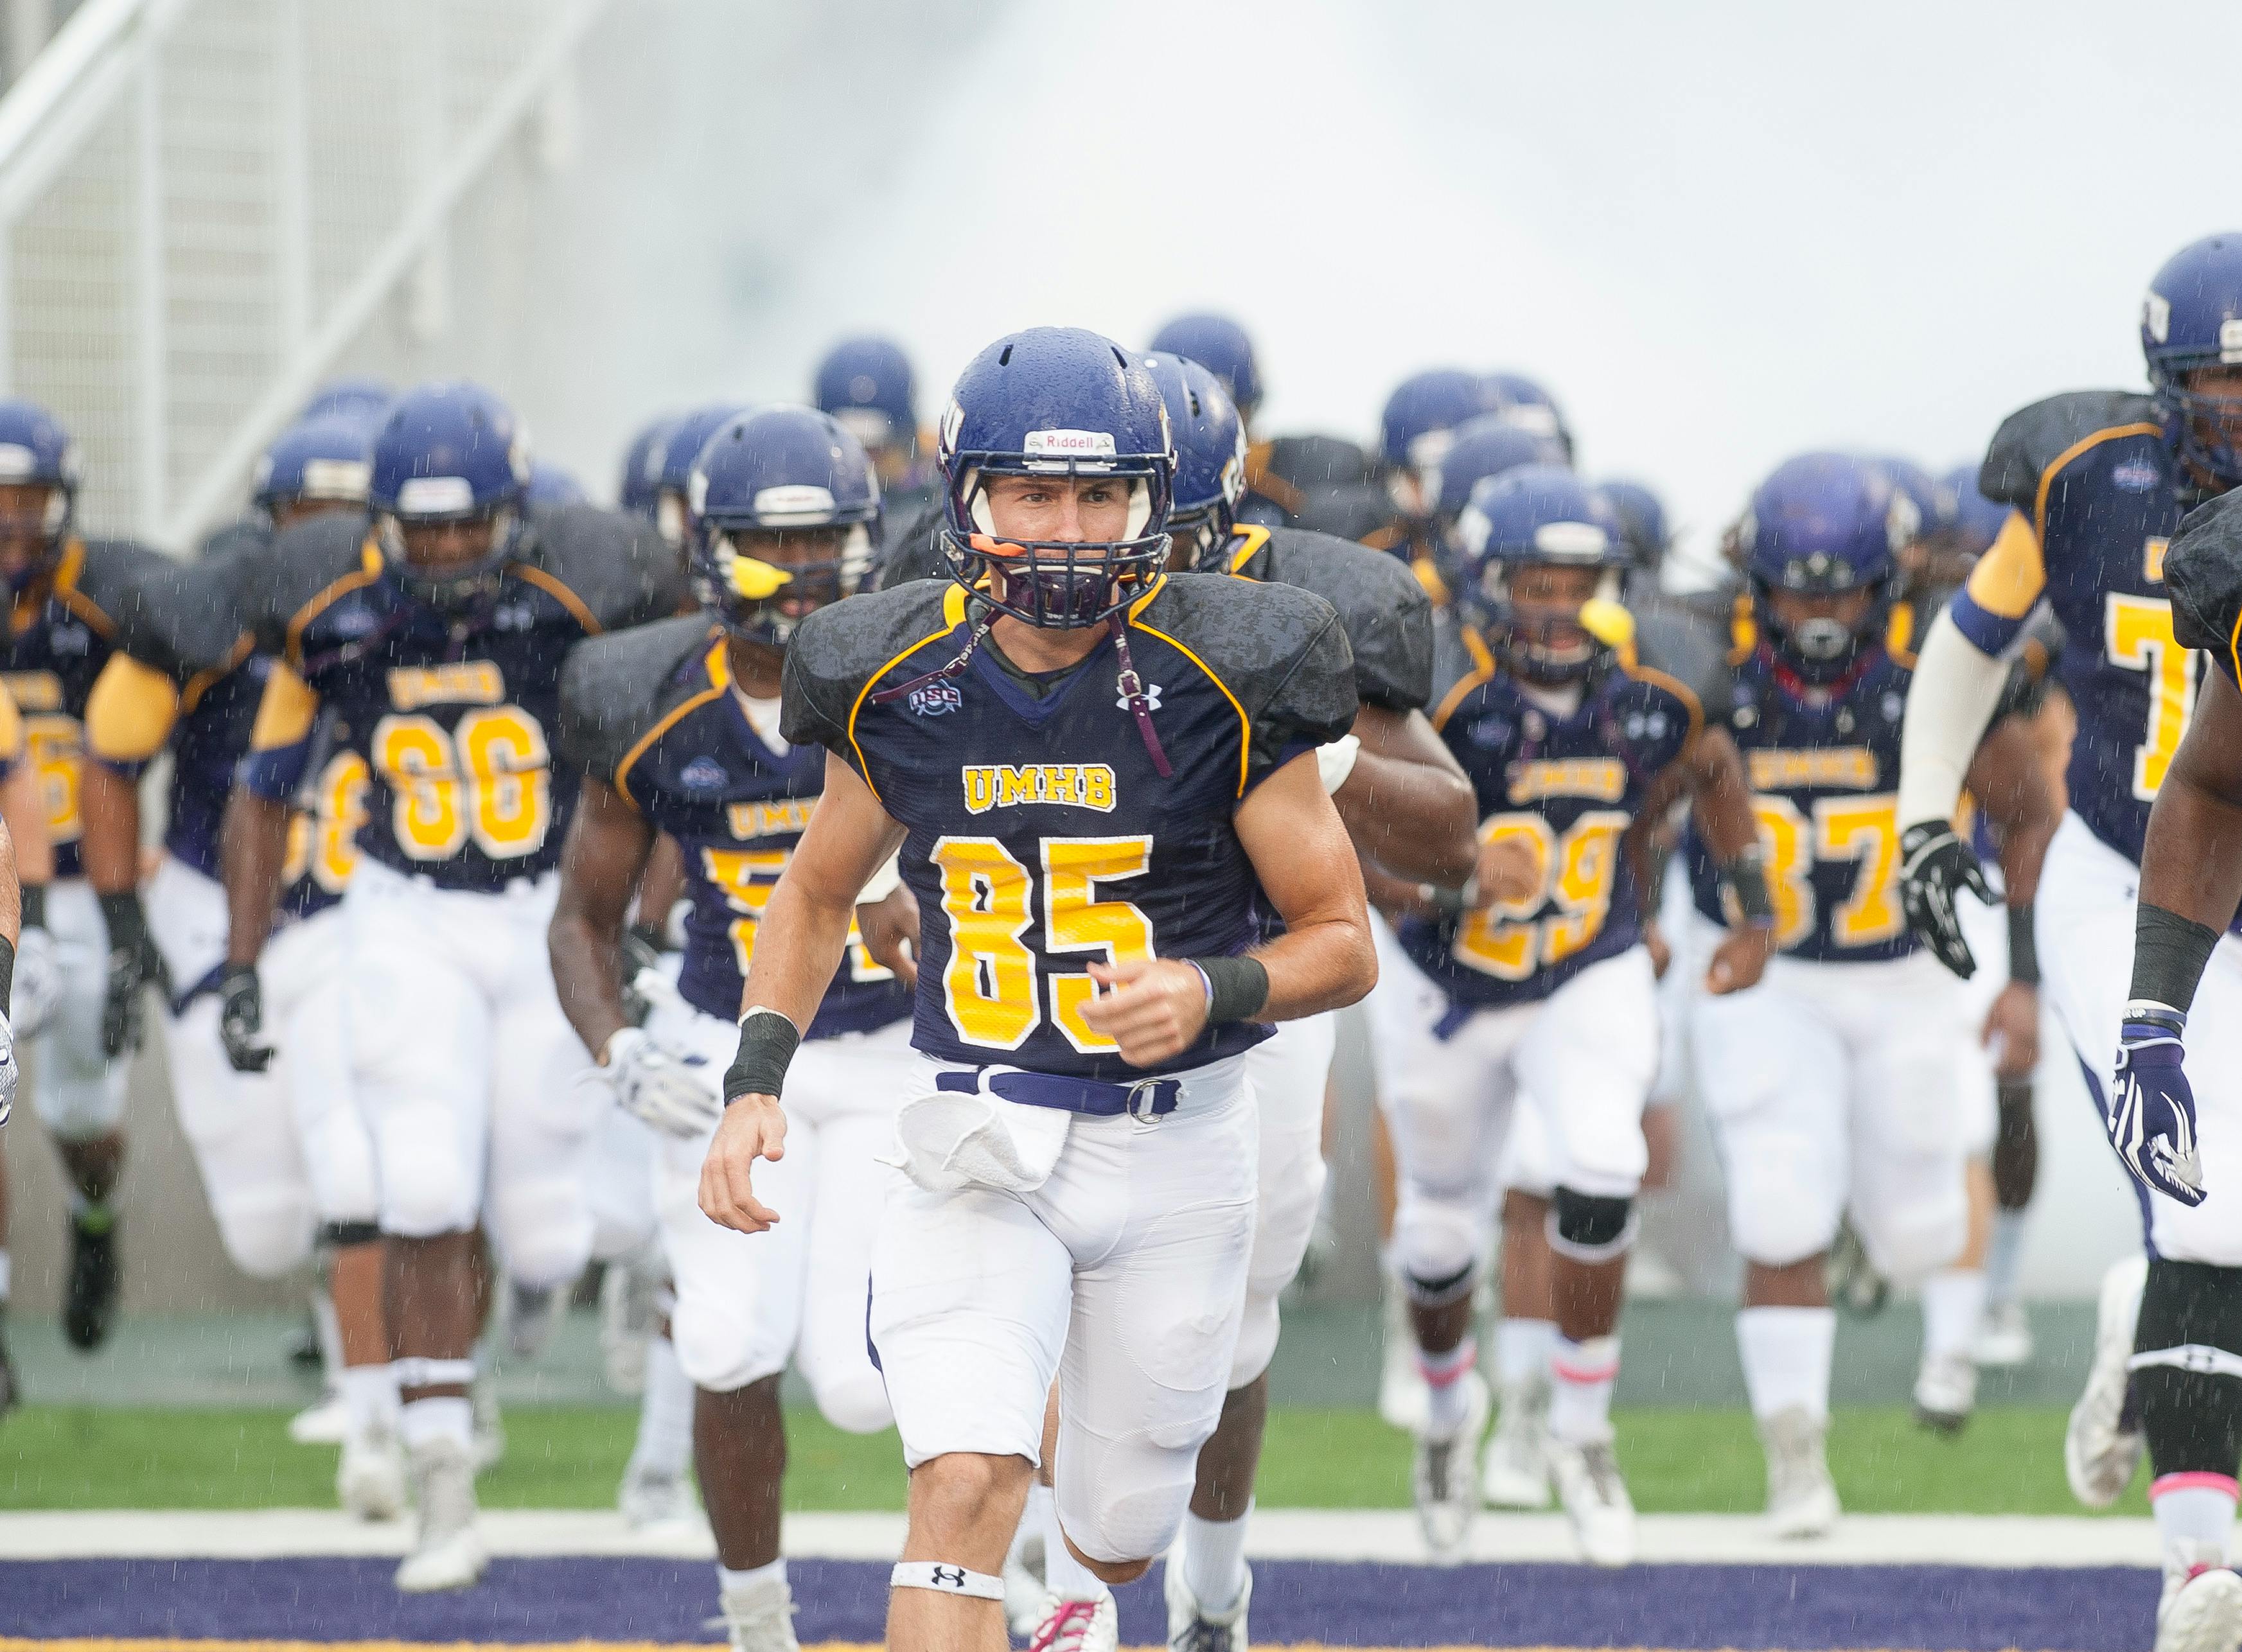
pixel 69 638
pixel 950 1577
pixel 936 700
pixel 515 616
pixel 703 774
pixel 1152 699
pixel 352 622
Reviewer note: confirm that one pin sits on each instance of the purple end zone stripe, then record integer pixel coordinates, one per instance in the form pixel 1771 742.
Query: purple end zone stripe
pixel 1816 1607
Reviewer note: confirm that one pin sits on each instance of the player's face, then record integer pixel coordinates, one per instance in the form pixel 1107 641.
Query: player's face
pixel 795 548
pixel 1547 599
pixel 24 508
pixel 288 512
pixel 435 547
pixel 2217 417
pixel 1795 609
pixel 1070 510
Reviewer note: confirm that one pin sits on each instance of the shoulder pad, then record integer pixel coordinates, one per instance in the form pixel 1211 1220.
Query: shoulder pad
pixel 836 651
pixel 245 533
pixel 2202 575
pixel 913 550
pixel 167 614
pixel 1280 650
pixel 1687 645
pixel 1387 615
pixel 615 688
pixel 617 565
pixel 2032 439
pixel 286 576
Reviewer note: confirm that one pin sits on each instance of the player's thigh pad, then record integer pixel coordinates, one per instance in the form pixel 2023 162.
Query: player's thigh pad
pixel 243 1134
pixel 1772 1072
pixel 78 1092
pixel 1156 1318
pixel 2212 1231
pixel 1587 1061
pixel 1287 1073
pixel 2083 910
pixel 1529 1162
pixel 1448 1104
pixel 307 1002
pixel 1912 1053
pixel 619 1180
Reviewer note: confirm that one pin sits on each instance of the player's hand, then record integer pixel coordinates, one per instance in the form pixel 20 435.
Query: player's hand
pixel 659 1085
pixel 123 1002
pixel 1509 870
pixel 1153 1008
pixel 1934 864
pixel 241 1019
pixel 1660 950
pixel 2011 1031
pixel 642 946
pixel 38 985
pixel 2151 1115
pixel 1739 960
pixel 889 928
pixel 753 1127
pixel 10 1073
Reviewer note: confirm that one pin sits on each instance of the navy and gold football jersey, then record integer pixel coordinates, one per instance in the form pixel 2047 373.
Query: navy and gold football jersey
pixel 653 713
pixel 1386 615
pixel 1041 835
pixel 455 717
pixel 54 651
pixel 1569 784
pixel 2096 495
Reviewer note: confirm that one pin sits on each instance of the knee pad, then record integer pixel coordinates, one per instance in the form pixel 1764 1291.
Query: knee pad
pixel 1588 1227
pixel 1257 1337
pixel 718 1351
pixel 1437 1239
pixel 1909 1243
pixel 1126 1501
pixel 1443 1289
pixel 856 1404
pixel 266 1238
pixel 542 1234
pixel 341 1236
pixel 2187 1369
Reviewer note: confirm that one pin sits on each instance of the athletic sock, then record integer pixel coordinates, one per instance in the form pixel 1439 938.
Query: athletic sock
pixel 1521 1352
pixel 728 1580
pixel 1063 1575
pixel 1035 1521
pixel 7 1271
pixel 1786 1354
pixel 447 1418
pixel 1953 1308
pixel 369 1394
pixel 2003 1256
pixel 1214 1560
pixel 330 1333
pixel 1447 1396
pixel 1582 1375
pixel 2195 1518
pixel 665 1414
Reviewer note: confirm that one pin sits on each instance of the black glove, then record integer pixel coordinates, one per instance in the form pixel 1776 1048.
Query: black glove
pixel 133 963
pixel 241 1018
pixel 1934 864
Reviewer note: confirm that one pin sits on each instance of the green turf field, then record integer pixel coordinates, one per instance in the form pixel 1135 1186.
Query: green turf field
pixel 2009 1463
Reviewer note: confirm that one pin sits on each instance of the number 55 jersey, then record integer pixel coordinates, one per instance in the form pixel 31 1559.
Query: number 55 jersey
pixel 1042 834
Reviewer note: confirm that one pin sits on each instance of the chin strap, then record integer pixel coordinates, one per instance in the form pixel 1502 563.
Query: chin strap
pixel 1132 690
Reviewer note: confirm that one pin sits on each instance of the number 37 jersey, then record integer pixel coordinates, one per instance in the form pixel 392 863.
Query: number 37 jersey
pixel 1041 835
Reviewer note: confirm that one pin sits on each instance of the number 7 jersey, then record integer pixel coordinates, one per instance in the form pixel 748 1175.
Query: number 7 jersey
pixel 1041 835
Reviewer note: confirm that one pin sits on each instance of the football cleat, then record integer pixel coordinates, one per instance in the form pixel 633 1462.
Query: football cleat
pixel 1801 1500
pixel 11 1395
pixel 759 1616
pixel 628 1315
pixel 327 1423
pixel 490 1425
pixel 370 1475
pixel 1594 1495
pixel 1945 1393
pixel 89 1302
pixel 648 1498
pixel 2004 1340
pixel 447 1551
pixel 1516 1475
pixel 1077 1625
pixel 1401 1384
pixel 1444 1477
pixel 2100 1451
pixel 1191 1628
pixel 531 1313
pixel 2201 1610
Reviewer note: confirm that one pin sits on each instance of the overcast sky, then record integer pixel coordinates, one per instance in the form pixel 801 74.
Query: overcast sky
pixel 1720 233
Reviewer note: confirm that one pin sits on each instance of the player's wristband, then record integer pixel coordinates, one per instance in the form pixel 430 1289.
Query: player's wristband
pixel 882 883
pixel 7 971
pixel 1236 988
pixel 34 906
pixel 1746 879
pixel 127 921
pixel 2169 953
pixel 1451 903
pixel 2023 948
pixel 768 1041
pixel 1335 762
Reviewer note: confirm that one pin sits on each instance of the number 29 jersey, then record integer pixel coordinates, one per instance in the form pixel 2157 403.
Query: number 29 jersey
pixel 651 712
pixel 1041 835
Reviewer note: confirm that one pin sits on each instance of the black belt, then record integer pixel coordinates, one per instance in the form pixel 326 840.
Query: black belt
pixel 1147 1098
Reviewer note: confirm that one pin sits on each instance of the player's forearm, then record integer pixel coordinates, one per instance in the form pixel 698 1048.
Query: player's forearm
pixel 109 804
pixel 1325 964
pixel 798 946
pixel 585 946
pixel 2012 786
pixel 1956 688
pixel 23 807
pixel 661 885
pixel 12 898
pixel 1720 798
pixel 252 856
pixel 1416 819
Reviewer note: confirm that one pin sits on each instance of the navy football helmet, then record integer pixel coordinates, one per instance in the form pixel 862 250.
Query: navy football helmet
pixel 550 485
pixel 1977 519
pixel 868 385
pixel 2191 319
pixel 1517 399
pixel 1542 515
pixel 1420 418
pixel 1057 401
pixel 448 452
pixel 321 460
pixel 1824 525
pixel 1642 518
pixel 1487 446
pixel 681 443
pixel 1220 346
pixel 641 472
pixel 36 452
pixel 357 398
pixel 1209 439
pixel 778 471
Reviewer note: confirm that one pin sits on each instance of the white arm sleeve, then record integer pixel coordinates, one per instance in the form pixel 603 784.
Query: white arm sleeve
pixel 1951 701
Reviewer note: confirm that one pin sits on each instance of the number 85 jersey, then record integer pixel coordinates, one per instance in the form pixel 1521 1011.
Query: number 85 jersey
pixel 1042 836
pixel 454 715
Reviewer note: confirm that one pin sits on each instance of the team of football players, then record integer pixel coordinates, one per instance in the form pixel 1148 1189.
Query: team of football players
pixel 1027 808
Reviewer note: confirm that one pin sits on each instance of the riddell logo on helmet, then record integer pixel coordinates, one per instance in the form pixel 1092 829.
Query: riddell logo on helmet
pixel 1070 444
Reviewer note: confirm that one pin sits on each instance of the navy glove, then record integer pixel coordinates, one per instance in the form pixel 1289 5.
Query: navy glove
pixel 2151 1115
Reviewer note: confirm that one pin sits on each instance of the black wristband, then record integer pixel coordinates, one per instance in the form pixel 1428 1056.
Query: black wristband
pixel 2023 949
pixel 1747 878
pixel 128 923
pixel 653 936
pixel 7 970
pixel 768 1041
pixel 1236 988
pixel 34 906
pixel 2169 953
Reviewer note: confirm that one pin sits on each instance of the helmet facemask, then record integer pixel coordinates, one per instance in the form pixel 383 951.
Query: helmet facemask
pixel 35 520
pixel 2202 403
pixel 1542 627
pixel 1059 584
pixel 761 583
pixel 1821 648
pixel 451 583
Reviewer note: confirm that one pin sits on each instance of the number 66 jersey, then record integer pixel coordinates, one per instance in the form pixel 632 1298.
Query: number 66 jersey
pixel 1042 836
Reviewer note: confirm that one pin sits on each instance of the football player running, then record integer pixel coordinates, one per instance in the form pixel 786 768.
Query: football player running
pixel 1096 770
pixel 675 727
pixel 29 864
pixel 2097 482
pixel 1534 980
pixel 1836 1083
pixel 435 643
pixel 868 385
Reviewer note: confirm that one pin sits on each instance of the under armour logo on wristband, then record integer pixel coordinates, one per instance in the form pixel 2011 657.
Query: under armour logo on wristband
pixel 950 1576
